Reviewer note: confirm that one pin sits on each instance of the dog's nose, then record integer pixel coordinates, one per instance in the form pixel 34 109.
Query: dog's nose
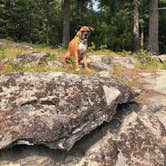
pixel 86 34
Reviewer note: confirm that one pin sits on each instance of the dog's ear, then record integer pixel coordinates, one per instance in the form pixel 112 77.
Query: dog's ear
pixel 78 28
pixel 91 28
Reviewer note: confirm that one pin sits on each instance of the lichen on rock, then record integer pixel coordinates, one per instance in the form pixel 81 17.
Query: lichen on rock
pixel 56 109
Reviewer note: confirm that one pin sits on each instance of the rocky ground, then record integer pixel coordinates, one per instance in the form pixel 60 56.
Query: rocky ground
pixel 60 119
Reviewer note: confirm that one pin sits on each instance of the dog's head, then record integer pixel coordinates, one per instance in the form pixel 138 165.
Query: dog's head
pixel 84 32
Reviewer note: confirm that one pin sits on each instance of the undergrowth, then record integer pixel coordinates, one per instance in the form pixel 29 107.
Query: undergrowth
pixel 145 61
pixel 8 52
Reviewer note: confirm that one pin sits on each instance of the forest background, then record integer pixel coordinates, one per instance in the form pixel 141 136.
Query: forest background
pixel 120 25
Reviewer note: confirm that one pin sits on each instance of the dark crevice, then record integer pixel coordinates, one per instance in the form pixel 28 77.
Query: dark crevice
pixel 29 103
pixel 45 102
pixel 48 102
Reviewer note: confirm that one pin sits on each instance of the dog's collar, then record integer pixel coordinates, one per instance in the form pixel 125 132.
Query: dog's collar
pixel 80 40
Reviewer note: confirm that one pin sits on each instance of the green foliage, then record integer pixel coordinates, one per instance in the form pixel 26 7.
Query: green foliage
pixel 120 31
pixel 125 53
pixel 40 21
pixel 51 57
pixel 71 60
pixel 2 52
pixel 145 61
pixel 15 67
pixel 163 65
pixel 33 21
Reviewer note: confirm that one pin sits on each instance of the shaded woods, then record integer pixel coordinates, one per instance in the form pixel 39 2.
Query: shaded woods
pixel 119 25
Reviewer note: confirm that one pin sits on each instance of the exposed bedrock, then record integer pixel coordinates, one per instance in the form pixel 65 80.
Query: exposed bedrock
pixel 56 109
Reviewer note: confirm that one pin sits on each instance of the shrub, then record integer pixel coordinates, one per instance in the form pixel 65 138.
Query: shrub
pixel 145 61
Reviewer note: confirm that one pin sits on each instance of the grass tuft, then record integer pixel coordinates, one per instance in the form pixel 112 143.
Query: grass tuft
pixel 145 61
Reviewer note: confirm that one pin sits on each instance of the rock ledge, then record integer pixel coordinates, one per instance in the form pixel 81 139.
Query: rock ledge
pixel 56 109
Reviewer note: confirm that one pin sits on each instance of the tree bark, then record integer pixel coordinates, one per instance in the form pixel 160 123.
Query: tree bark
pixel 142 37
pixel 66 23
pixel 153 28
pixel 136 26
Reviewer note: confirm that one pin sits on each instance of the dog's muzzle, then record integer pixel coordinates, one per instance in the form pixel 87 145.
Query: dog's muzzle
pixel 85 35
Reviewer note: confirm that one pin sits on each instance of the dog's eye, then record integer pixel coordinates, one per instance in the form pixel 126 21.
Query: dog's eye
pixel 82 31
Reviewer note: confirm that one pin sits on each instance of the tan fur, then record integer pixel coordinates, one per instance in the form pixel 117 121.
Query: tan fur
pixel 73 49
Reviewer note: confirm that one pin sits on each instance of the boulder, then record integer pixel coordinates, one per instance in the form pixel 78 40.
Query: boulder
pixel 56 109
pixel 105 62
pixel 30 57
pixel 33 57
pixel 160 58
pixel 8 43
pixel 100 62
pixel 135 136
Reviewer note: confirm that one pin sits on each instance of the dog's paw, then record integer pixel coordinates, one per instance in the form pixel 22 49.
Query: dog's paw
pixel 88 70
pixel 77 69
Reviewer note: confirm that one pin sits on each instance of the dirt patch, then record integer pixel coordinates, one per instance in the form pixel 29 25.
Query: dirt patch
pixel 151 82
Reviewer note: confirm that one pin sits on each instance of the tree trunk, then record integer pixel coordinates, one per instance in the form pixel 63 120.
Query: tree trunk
pixel 136 26
pixel 153 28
pixel 142 37
pixel 66 23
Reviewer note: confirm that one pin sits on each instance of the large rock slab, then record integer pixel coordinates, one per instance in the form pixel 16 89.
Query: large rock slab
pixel 155 82
pixel 141 139
pixel 135 137
pixel 103 152
pixel 127 62
pixel 56 109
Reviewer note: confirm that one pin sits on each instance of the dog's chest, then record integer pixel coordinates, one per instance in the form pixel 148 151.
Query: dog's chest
pixel 82 48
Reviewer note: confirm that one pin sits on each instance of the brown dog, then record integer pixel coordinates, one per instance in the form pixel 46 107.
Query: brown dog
pixel 78 46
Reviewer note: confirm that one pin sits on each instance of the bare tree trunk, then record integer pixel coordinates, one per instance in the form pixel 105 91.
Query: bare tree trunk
pixel 153 28
pixel 66 23
pixel 136 25
pixel 142 37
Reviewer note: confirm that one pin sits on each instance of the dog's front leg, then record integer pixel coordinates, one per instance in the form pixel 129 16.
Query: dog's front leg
pixel 67 56
pixel 85 62
pixel 76 60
